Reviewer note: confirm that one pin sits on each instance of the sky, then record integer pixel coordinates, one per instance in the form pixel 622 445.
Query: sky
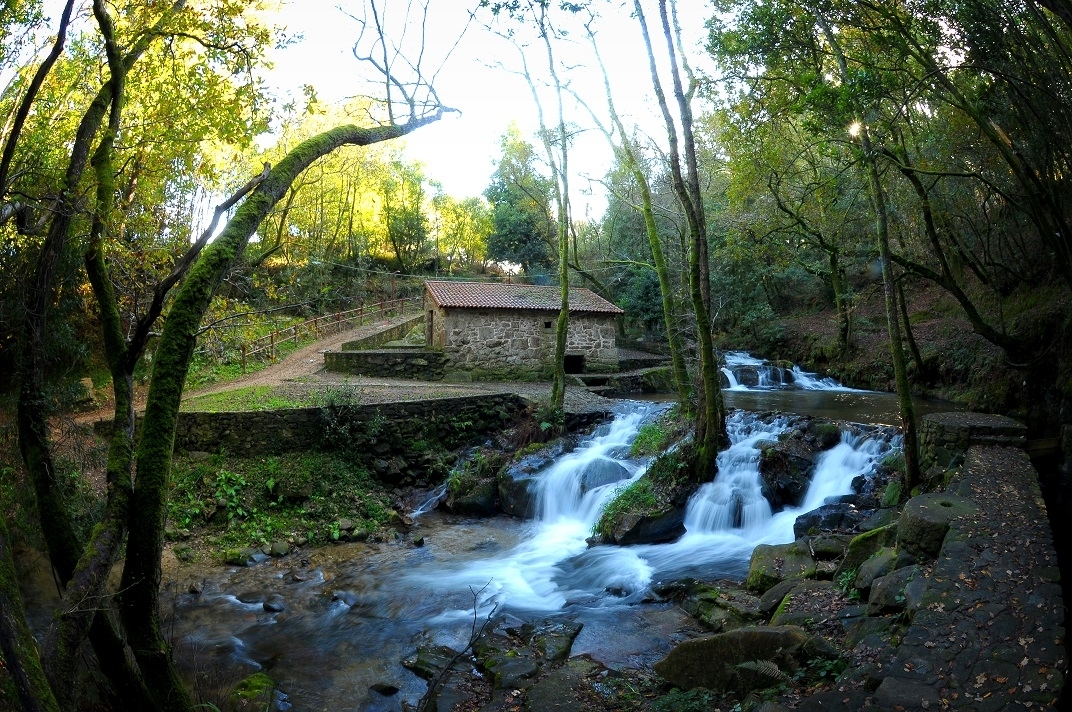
pixel 461 150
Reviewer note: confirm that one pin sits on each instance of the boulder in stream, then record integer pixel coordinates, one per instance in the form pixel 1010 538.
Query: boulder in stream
pixel 786 468
pixel 772 564
pixel 742 660
pixel 654 527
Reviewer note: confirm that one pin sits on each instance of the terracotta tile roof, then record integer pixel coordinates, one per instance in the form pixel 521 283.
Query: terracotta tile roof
pixel 485 295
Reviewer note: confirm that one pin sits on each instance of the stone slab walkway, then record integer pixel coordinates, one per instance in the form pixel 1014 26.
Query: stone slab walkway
pixel 987 625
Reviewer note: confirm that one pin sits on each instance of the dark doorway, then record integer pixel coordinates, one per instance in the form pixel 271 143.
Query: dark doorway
pixel 574 363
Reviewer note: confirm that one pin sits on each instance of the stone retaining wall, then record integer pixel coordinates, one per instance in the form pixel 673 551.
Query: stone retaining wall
pixel 945 437
pixel 392 333
pixel 380 429
pixel 388 363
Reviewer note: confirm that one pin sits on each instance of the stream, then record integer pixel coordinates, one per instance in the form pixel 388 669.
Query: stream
pixel 352 612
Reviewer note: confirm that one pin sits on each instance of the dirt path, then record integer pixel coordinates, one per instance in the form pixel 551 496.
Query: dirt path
pixel 305 361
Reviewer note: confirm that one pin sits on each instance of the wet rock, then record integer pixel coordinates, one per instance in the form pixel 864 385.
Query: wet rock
pixel 666 524
pixel 429 661
pixel 512 672
pixel 722 662
pixel 600 472
pixel 823 434
pixel 279 548
pixel 863 546
pixel 786 467
pixel 240 557
pixel 554 639
pixel 925 520
pixel 384 688
pixel 772 564
pixel 829 517
pixel 888 592
pixel 721 608
pixel 196 588
pixel 478 500
pixel 418 541
pixel 345 525
pixel 882 562
pixel 517 493
pixel 275 604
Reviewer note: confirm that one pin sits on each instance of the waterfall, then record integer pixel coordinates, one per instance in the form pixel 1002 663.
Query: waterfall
pixel 731 378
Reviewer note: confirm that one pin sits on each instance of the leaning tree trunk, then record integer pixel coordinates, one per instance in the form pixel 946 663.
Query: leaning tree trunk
pixel 141 573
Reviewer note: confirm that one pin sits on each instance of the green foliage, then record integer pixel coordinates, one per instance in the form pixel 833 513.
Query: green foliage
pixel 299 496
pixel 638 497
pixel 650 440
pixel 845 583
pixel 698 699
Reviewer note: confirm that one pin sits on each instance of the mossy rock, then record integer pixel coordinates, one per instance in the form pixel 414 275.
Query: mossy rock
pixel 722 609
pixel 256 692
pixel 925 520
pixel 863 547
pixel 714 662
pixel 772 564
pixel 882 562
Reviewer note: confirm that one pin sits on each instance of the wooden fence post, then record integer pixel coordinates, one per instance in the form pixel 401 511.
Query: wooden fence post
pixel 243 358
pixel 271 341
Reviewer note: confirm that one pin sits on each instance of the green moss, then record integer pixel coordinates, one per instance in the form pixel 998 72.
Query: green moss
pixel 892 495
pixel 246 399
pixel 238 502
pixel 257 689
pixel 650 440
pixel 637 498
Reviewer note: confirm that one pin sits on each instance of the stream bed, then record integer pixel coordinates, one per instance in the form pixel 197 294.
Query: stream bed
pixel 350 613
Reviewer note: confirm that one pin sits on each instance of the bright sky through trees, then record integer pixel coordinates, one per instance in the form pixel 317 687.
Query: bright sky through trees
pixel 460 152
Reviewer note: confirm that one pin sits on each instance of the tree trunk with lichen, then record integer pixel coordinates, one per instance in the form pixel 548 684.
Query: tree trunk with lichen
pixel 141 572
pixel 17 642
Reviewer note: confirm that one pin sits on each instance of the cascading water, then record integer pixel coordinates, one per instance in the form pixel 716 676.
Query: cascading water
pixel 724 520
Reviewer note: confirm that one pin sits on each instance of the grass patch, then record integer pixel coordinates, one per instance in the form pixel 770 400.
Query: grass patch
pixel 297 497
pixel 636 498
pixel 243 399
pixel 650 440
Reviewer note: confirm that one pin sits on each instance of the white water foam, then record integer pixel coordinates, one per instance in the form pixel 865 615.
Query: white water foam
pixel 724 521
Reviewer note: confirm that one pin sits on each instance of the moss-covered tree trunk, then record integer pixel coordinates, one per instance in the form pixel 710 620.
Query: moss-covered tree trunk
pixel 710 423
pixel 16 641
pixel 841 302
pixel 877 196
pixel 141 572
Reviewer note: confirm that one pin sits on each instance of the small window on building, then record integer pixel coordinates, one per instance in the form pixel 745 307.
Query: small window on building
pixel 547 325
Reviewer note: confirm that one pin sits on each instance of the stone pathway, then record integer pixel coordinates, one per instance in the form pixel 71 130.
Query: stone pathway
pixel 987 625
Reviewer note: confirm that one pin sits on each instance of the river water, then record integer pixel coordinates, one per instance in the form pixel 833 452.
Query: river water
pixel 354 611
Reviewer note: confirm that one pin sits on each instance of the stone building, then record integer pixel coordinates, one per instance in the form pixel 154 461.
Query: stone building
pixel 509 329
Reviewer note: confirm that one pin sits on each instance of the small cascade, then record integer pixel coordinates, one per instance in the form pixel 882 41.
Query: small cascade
pixel 724 520
pixel 431 502
pixel 812 382
pixel 745 372
pixel 732 379
pixel 734 500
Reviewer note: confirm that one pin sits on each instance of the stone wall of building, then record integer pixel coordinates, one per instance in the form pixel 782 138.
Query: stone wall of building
pixel 519 341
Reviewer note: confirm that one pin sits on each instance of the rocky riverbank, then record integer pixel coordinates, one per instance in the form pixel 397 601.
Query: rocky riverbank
pixel 949 602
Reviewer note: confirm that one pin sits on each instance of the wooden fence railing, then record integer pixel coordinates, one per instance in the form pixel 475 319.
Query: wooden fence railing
pixel 326 325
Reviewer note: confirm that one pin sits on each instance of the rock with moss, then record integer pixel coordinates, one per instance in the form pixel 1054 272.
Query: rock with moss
pixel 728 661
pixel 925 520
pixel 721 608
pixel 256 692
pixel 772 564
pixel 863 546
pixel 786 468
